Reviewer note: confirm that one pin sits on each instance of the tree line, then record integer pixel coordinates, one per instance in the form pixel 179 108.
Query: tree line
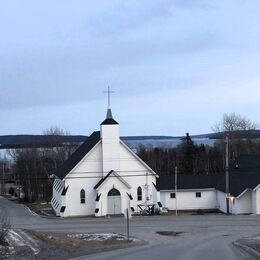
pixel 190 158
pixel 33 167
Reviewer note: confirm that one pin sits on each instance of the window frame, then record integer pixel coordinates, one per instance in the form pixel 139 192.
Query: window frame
pixel 139 194
pixel 198 194
pixel 82 196
pixel 172 195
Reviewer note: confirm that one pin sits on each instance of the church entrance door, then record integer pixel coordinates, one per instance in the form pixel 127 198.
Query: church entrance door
pixel 114 202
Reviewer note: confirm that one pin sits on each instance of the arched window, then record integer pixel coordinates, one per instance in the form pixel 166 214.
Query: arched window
pixel 82 196
pixel 113 192
pixel 139 193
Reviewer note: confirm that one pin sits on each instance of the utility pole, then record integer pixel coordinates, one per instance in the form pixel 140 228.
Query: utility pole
pixel 227 175
pixel 176 189
pixel 3 180
pixel 146 185
pixel 127 224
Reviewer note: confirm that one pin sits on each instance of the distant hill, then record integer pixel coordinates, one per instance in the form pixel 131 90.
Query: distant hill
pixel 21 141
pixel 14 141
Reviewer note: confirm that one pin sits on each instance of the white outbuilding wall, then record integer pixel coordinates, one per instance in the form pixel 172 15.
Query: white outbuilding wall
pixel 187 200
pixel 256 200
pixel 221 201
pixel 241 204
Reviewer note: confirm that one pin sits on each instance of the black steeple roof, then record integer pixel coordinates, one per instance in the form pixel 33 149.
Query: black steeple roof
pixel 109 118
pixel 109 121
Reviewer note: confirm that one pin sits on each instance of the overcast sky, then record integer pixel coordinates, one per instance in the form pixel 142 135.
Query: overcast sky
pixel 176 66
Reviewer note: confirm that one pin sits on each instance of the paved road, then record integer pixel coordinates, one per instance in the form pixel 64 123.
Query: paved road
pixel 203 237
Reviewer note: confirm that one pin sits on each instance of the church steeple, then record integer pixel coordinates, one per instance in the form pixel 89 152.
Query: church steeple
pixel 109 113
pixel 109 132
pixel 109 118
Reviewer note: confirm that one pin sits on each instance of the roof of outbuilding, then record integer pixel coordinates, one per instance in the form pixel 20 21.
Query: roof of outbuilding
pixel 185 181
pixel 245 176
pixel 238 182
pixel 74 159
pixel 248 163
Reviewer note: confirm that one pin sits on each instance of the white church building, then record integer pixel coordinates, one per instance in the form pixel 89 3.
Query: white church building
pixel 103 177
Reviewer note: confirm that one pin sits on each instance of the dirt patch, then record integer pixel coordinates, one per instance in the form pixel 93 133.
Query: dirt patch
pixel 42 209
pixel 169 233
pixel 65 246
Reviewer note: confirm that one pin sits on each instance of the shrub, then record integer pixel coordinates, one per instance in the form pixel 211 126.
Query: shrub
pixel 11 191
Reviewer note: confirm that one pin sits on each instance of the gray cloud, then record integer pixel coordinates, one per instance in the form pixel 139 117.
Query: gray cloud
pixel 56 53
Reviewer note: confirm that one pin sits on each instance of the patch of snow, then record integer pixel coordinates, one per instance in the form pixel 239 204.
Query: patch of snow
pixel 32 212
pixel 14 238
pixel 5 154
pixel 98 236
pixel 22 239
pixel 30 242
pixel 256 237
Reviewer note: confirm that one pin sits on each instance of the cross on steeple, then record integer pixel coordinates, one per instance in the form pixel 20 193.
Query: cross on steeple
pixel 108 92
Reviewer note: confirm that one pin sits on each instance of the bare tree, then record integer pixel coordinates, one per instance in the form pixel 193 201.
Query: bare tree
pixel 239 129
pixel 234 122
pixel 55 148
pixel 55 131
pixel 33 166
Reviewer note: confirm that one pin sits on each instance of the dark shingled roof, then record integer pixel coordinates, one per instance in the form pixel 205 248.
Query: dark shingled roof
pixel 74 159
pixel 186 182
pixel 246 176
pixel 248 163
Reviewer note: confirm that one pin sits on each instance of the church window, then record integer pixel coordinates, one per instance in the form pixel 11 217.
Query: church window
pixel 82 196
pixel 139 193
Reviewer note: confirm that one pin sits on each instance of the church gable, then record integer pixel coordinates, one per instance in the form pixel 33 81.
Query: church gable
pixel 76 157
pixel 132 162
pixel 89 164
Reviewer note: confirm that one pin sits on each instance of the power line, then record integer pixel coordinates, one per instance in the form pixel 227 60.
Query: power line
pixel 85 177
pixel 105 172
